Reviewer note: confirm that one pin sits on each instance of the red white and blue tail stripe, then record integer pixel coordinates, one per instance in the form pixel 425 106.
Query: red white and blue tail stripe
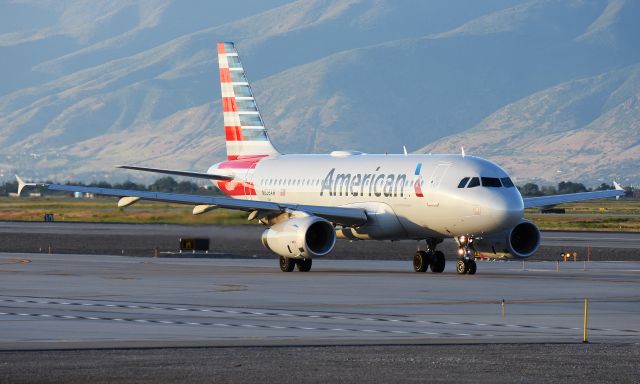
pixel 246 136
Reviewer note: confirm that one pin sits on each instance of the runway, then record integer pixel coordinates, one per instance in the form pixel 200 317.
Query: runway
pixel 74 301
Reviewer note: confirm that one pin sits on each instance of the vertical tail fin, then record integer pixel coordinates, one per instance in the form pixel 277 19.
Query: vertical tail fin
pixel 244 128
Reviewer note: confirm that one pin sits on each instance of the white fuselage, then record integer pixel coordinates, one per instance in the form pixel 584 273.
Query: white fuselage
pixel 405 196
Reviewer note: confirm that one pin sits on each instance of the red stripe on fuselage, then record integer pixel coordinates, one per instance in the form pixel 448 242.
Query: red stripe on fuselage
pixel 221 48
pixel 235 188
pixel 240 162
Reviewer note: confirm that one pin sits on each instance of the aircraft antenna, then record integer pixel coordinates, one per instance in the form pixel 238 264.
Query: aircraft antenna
pixel 404 148
pixel 462 148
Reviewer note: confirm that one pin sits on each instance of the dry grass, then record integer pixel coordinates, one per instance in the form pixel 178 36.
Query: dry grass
pixel 105 210
pixel 594 216
pixel 610 206
pixel 586 223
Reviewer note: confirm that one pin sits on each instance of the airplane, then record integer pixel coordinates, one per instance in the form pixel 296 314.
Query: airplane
pixel 307 201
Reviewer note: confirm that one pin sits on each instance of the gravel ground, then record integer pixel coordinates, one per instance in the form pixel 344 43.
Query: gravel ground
pixel 484 363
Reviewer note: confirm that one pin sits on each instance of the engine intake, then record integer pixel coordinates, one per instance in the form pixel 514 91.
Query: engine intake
pixel 520 242
pixel 300 237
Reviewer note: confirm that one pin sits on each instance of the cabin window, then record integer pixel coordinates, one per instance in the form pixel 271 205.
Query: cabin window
pixel 463 182
pixel 491 182
pixel 474 182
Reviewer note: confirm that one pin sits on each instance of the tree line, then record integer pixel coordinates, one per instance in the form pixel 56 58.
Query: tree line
pixel 564 187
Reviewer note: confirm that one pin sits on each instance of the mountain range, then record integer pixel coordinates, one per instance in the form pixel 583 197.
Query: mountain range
pixel 549 89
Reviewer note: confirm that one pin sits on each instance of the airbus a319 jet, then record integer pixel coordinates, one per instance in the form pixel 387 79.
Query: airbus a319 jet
pixel 307 201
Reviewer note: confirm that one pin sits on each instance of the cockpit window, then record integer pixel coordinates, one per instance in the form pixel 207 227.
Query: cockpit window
pixel 507 182
pixel 474 182
pixel 463 182
pixel 492 182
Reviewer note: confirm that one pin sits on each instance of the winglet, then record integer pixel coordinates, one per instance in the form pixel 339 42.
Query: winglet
pixel 22 184
pixel 618 188
pixel 404 148
pixel 463 154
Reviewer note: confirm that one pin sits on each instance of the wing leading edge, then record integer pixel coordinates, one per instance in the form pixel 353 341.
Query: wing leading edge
pixel 338 215
pixel 549 201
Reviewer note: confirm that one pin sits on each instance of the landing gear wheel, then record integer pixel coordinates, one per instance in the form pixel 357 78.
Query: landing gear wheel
pixel 471 267
pixel 304 265
pixel 421 261
pixel 287 264
pixel 461 267
pixel 438 262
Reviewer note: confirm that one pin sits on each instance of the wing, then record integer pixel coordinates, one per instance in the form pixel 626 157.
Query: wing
pixel 338 215
pixel 199 175
pixel 550 201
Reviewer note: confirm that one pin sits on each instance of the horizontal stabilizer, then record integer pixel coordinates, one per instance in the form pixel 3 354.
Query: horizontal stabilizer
pixel 23 184
pixel 199 175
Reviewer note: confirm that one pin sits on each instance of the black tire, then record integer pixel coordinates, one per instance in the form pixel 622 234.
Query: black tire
pixel 472 267
pixel 461 267
pixel 287 264
pixel 438 263
pixel 421 261
pixel 304 265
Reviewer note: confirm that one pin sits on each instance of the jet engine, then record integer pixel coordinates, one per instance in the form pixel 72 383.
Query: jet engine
pixel 300 237
pixel 520 242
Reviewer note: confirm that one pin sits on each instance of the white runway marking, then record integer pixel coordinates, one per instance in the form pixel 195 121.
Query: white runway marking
pixel 175 322
pixel 254 313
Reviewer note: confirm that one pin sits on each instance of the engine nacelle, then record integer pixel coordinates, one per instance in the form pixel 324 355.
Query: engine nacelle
pixel 520 242
pixel 300 237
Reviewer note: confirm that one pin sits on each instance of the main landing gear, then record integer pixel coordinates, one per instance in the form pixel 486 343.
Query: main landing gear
pixel 288 264
pixel 430 258
pixel 466 262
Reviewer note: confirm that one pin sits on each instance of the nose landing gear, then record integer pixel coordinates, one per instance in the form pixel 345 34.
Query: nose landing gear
pixel 466 262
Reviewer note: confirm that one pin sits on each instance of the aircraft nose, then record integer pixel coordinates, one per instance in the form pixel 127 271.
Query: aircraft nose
pixel 506 210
